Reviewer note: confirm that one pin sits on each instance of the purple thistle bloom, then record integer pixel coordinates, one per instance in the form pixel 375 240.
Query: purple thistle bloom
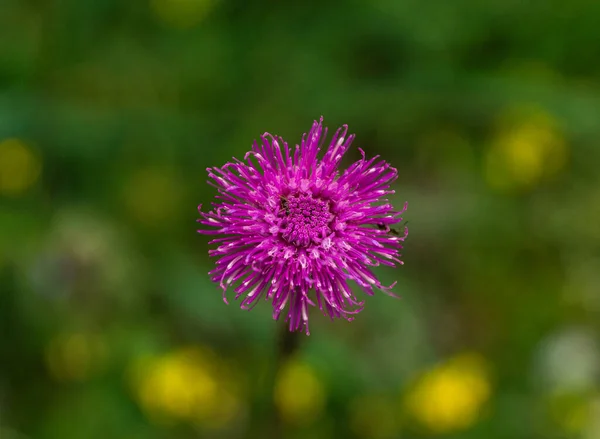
pixel 293 228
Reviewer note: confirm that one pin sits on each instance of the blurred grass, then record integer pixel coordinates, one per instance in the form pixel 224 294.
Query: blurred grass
pixel 111 111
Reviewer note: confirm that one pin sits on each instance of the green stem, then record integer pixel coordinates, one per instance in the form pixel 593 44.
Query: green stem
pixel 288 344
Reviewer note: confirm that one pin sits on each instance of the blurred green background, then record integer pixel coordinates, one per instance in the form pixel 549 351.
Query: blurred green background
pixel 111 110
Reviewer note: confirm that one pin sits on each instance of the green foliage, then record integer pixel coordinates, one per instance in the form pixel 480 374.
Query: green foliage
pixel 110 111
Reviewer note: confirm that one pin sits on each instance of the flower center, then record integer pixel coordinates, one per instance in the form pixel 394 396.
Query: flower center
pixel 305 219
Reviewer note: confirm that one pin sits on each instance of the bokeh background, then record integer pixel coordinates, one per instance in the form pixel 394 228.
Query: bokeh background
pixel 111 110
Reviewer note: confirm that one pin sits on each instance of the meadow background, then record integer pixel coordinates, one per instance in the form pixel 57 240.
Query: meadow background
pixel 110 112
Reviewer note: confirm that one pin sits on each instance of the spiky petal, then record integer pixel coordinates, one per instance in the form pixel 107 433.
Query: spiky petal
pixel 295 229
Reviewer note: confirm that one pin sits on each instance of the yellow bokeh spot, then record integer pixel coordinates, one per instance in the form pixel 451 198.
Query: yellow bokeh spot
pixel 169 385
pixel 450 396
pixel 185 385
pixel 181 14
pixel 374 417
pixel 528 149
pixel 152 195
pixel 299 394
pixel 19 167
pixel 75 357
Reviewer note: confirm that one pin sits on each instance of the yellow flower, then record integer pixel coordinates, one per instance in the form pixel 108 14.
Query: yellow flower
pixel 299 394
pixel 450 396
pixel 185 385
pixel 528 150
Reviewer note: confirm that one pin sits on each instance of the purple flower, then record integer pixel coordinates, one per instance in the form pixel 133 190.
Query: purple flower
pixel 296 229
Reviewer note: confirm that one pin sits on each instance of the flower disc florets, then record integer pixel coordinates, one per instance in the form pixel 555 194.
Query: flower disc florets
pixel 294 229
pixel 305 219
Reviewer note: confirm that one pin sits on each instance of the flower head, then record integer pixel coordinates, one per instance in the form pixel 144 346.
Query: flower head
pixel 295 229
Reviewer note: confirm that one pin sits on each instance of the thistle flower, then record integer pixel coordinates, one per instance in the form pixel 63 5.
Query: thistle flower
pixel 294 229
